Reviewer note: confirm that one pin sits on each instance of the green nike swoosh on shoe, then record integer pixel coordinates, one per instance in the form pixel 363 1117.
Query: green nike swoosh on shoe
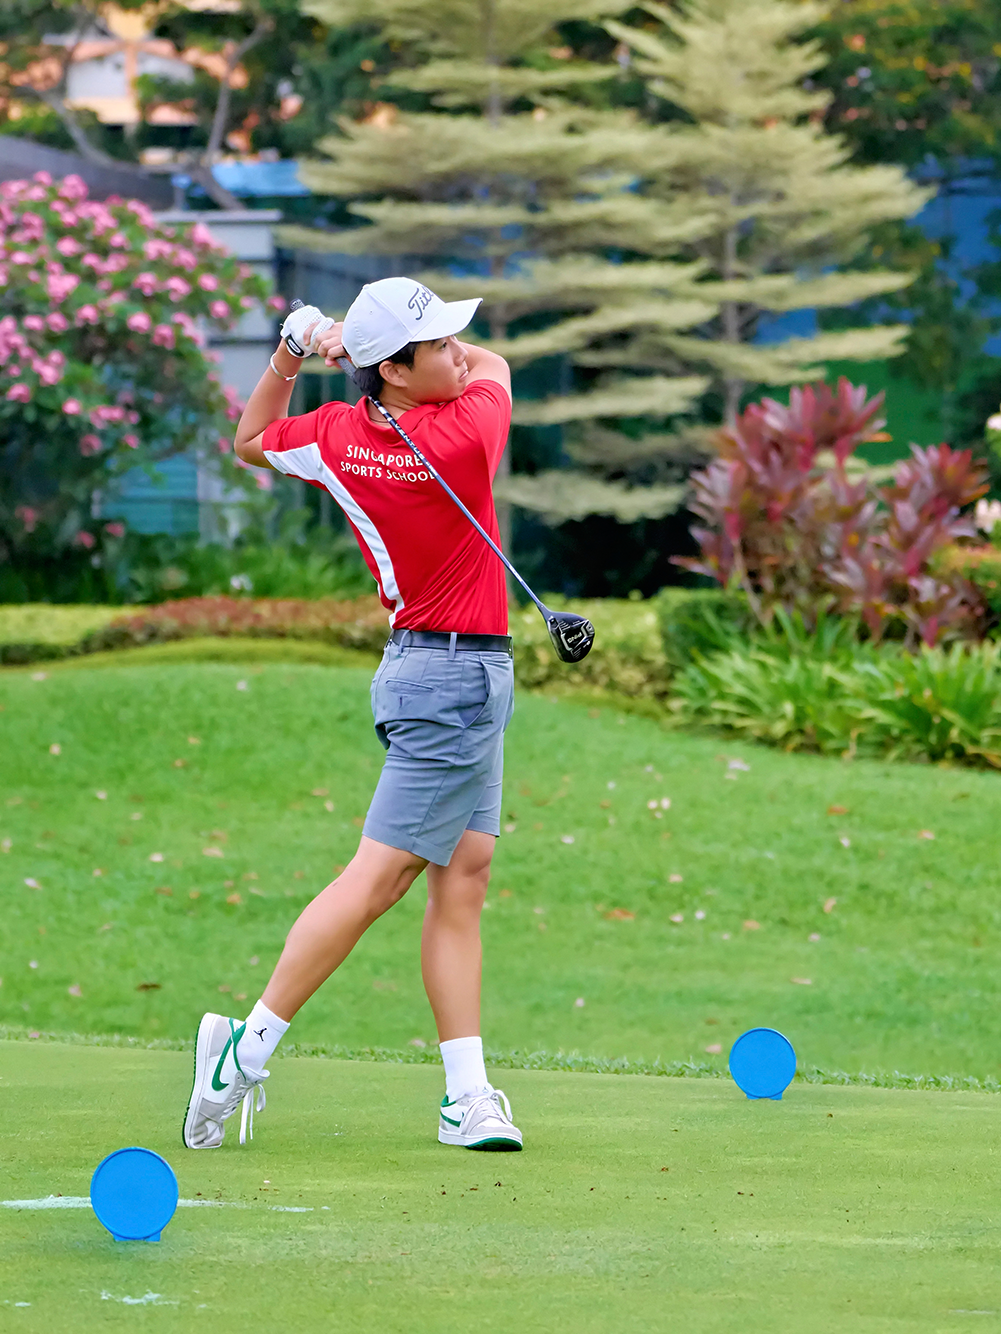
pixel 232 1041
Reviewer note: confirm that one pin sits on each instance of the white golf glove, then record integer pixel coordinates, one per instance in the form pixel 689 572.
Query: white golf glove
pixel 298 322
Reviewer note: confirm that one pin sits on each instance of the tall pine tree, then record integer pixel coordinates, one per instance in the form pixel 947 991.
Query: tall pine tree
pixel 520 181
pixel 786 208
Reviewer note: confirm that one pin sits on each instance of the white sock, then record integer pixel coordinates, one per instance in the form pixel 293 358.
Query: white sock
pixel 464 1068
pixel 263 1033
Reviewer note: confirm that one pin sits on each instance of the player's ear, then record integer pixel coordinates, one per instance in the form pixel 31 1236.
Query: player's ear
pixel 393 373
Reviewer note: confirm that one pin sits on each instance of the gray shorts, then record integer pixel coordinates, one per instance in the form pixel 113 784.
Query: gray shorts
pixel 442 721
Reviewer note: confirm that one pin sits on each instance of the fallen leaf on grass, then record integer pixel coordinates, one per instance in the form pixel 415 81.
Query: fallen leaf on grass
pixel 714 1048
pixel 620 915
pixel 194 893
pixel 165 890
pixel 101 796
pixel 180 764
pixel 675 879
pixel 504 894
pixel 925 833
pixel 510 828
pixel 39 676
pixel 566 838
pixel 579 1003
pixel 32 883
pixel 6 845
pixel 212 852
pixel 830 905
pixel 802 981
pixel 678 917
pixel 328 805
pixel 194 741
pixel 148 986
pixel 156 856
pixel 242 685
pixel 98 870
pixel 358 820
pixel 136 815
pixel 225 987
pixel 417 1042
pixel 837 810
pixel 234 899
pixel 844 841
pixel 55 748
pixel 75 989
pixel 752 925
pixel 320 792
pixel 240 996
pixel 739 765
pixel 813 936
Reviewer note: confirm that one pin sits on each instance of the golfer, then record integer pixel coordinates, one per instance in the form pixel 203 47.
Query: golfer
pixel 441 697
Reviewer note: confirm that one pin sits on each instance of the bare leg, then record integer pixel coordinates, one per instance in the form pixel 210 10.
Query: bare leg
pixel 451 953
pixel 328 929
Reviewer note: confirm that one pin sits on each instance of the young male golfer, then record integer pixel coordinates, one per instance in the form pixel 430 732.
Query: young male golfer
pixel 442 696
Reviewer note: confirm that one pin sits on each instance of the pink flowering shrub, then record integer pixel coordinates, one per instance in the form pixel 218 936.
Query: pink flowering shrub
pixel 103 365
pixel 784 519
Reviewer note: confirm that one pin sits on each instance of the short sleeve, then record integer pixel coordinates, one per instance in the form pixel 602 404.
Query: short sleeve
pixel 286 444
pixel 482 412
pixel 292 444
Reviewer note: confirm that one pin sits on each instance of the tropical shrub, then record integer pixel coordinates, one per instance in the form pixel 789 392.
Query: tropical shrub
pixel 103 366
pixel 701 620
pixel 940 703
pixel 787 520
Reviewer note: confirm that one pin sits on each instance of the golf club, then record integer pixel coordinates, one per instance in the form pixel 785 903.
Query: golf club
pixel 572 635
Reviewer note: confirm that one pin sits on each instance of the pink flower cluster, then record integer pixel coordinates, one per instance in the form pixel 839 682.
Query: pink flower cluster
pixel 109 295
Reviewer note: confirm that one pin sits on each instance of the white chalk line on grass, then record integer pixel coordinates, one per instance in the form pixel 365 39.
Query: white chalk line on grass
pixel 83 1202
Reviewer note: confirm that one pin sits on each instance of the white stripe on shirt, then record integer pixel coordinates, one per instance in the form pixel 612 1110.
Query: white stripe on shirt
pixel 310 465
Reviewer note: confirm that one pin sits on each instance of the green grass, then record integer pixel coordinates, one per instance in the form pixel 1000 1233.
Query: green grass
pixel 902 978
pixel 836 1209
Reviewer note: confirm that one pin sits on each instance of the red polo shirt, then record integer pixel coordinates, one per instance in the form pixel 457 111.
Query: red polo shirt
pixel 433 569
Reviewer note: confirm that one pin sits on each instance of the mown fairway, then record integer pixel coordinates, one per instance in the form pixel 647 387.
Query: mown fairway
pixel 210 838
pixel 871 1210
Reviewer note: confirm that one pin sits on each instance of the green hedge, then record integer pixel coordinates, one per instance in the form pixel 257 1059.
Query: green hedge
pixel 628 656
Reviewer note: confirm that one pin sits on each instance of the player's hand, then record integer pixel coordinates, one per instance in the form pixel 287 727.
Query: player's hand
pixel 304 326
pixel 328 344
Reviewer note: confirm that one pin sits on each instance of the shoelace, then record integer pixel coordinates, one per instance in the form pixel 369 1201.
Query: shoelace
pixel 255 1092
pixel 495 1097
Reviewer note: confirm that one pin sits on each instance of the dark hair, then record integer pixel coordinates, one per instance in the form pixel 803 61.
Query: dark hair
pixel 368 379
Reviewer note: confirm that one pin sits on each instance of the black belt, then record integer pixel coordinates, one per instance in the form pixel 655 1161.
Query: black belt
pixel 461 643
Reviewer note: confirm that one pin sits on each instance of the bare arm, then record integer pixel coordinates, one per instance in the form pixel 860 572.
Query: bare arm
pixel 484 365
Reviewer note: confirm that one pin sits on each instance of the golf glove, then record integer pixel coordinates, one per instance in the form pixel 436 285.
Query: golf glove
pixel 296 324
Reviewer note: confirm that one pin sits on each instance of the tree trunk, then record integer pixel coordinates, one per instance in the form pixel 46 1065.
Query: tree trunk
pixel 202 172
pixel 730 318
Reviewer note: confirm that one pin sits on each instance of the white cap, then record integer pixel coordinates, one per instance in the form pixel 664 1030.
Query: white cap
pixel 393 312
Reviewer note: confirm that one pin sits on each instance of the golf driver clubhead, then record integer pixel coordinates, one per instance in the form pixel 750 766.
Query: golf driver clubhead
pixel 572 635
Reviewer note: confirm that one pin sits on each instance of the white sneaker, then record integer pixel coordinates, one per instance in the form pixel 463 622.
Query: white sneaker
pixel 220 1085
pixel 479 1121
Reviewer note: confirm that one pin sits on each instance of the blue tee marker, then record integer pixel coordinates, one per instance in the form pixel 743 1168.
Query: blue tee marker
pixel 134 1194
pixel 762 1063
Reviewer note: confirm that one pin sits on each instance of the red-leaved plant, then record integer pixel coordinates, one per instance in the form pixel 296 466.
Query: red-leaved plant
pixel 785 521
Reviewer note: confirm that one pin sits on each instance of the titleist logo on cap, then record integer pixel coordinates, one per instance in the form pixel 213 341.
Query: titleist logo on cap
pixel 420 301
